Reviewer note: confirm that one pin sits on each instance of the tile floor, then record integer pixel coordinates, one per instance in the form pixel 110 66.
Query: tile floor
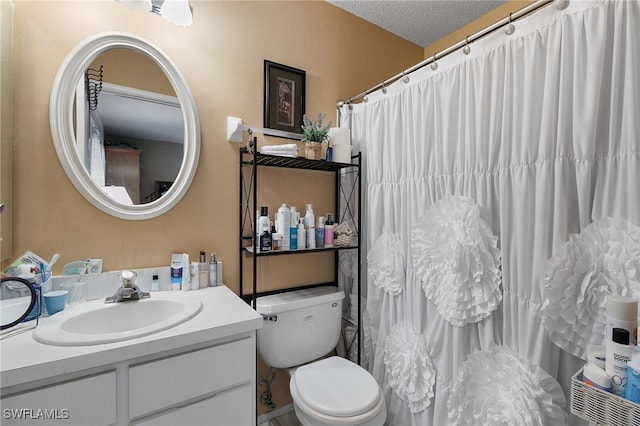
pixel 286 419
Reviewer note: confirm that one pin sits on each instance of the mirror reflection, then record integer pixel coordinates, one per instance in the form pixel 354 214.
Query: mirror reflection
pixel 129 127
pixel 17 298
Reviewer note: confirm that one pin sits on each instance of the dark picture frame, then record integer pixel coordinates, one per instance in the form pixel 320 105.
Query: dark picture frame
pixel 284 97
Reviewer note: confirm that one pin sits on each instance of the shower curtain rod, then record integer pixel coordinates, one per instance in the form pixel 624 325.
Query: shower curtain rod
pixel 561 4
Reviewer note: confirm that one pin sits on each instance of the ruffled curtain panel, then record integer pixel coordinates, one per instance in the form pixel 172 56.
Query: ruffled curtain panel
pixel 538 132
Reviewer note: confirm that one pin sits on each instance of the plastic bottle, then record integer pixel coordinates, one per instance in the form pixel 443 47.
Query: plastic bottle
pixel 302 236
pixel 283 223
pixel 265 238
pixel 203 271
pixel 320 232
pixel 622 312
pixel 155 285
pixel 293 228
pixel 264 219
pixel 37 309
pixel 328 230
pixel 310 227
pixel 632 392
pixel 213 271
pixel 293 237
pixel 618 354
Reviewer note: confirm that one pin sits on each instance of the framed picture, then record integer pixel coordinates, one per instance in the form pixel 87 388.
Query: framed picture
pixel 284 97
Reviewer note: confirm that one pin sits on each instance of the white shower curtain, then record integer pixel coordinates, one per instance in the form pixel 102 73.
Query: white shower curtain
pixel 541 129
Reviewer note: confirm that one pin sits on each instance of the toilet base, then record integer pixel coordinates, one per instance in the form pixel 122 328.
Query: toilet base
pixel 306 420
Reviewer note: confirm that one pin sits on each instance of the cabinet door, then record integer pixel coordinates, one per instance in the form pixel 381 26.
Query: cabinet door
pixel 83 402
pixel 168 382
pixel 231 408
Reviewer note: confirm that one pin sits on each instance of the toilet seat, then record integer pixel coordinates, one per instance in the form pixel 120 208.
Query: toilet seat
pixel 336 391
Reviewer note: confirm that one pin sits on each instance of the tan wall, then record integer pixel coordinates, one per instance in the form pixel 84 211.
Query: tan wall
pixel 221 56
pixel 6 125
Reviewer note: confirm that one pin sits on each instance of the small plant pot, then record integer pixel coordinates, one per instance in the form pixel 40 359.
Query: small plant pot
pixel 312 150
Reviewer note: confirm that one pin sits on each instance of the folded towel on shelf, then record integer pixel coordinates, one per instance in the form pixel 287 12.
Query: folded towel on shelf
pixel 286 150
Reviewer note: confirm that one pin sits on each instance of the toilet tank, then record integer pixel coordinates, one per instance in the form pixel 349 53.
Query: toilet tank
pixel 299 326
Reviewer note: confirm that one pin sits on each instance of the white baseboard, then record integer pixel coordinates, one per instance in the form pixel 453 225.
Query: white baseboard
pixel 263 418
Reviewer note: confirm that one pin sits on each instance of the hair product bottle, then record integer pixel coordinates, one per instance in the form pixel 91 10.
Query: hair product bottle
pixel 328 230
pixel 265 237
pixel 618 354
pixel 310 226
pixel 283 223
pixel 320 232
pixel 293 228
pixel 302 236
pixel 262 220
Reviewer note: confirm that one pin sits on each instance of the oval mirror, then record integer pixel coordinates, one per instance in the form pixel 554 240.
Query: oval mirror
pixel 17 299
pixel 132 166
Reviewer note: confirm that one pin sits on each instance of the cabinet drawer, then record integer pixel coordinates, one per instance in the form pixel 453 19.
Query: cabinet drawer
pixel 89 401
pixel 159 384
pixel 226 409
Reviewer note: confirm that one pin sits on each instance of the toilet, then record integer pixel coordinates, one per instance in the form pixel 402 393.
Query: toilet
pixel 300 328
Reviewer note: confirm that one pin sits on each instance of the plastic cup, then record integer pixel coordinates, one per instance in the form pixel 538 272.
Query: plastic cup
pixel 55 301
pixel 77 291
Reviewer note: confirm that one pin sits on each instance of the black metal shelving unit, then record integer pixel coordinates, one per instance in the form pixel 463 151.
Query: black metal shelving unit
pixel 347 207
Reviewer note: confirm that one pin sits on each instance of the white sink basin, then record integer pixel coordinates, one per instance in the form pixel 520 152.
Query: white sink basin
pixel 94 323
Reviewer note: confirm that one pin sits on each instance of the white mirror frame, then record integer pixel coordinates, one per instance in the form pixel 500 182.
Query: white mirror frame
pixel 61 116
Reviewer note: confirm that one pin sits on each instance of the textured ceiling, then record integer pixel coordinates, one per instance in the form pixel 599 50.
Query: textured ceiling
pixel 420 21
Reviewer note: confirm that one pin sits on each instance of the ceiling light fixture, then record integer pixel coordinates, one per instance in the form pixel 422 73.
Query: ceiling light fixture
pixel 175 11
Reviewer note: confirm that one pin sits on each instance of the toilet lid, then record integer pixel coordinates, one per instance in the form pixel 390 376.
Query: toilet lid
pixel 336 387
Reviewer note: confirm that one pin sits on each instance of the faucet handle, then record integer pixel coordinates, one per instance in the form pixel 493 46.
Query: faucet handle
pixel 128 278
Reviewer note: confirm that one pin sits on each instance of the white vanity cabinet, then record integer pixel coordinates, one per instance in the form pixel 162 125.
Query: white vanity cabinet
pixel 201 372
pixel 81 402
pixel 213 386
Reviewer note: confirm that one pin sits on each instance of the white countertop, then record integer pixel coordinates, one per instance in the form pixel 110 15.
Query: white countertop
pixel 224 314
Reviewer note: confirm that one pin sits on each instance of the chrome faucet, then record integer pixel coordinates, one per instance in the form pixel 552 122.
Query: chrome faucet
pixel 128 290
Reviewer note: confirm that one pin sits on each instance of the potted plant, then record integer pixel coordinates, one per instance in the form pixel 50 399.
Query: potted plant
pixel 314 136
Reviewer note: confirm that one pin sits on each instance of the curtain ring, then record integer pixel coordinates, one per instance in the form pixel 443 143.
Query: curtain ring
pixel 434 64
pixel 384 89
pixel 510 28
pixel 466 49
pixel 405 77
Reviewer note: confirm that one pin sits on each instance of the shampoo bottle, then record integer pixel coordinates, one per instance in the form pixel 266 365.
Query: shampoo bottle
pixel 622 312
pixel 310 227
pixel 283 223
pixel 302 237
pixel 618 354
pixel 265 238
pixel 320 232
pixel 264 219
pixel 293 228
pixel 328 230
